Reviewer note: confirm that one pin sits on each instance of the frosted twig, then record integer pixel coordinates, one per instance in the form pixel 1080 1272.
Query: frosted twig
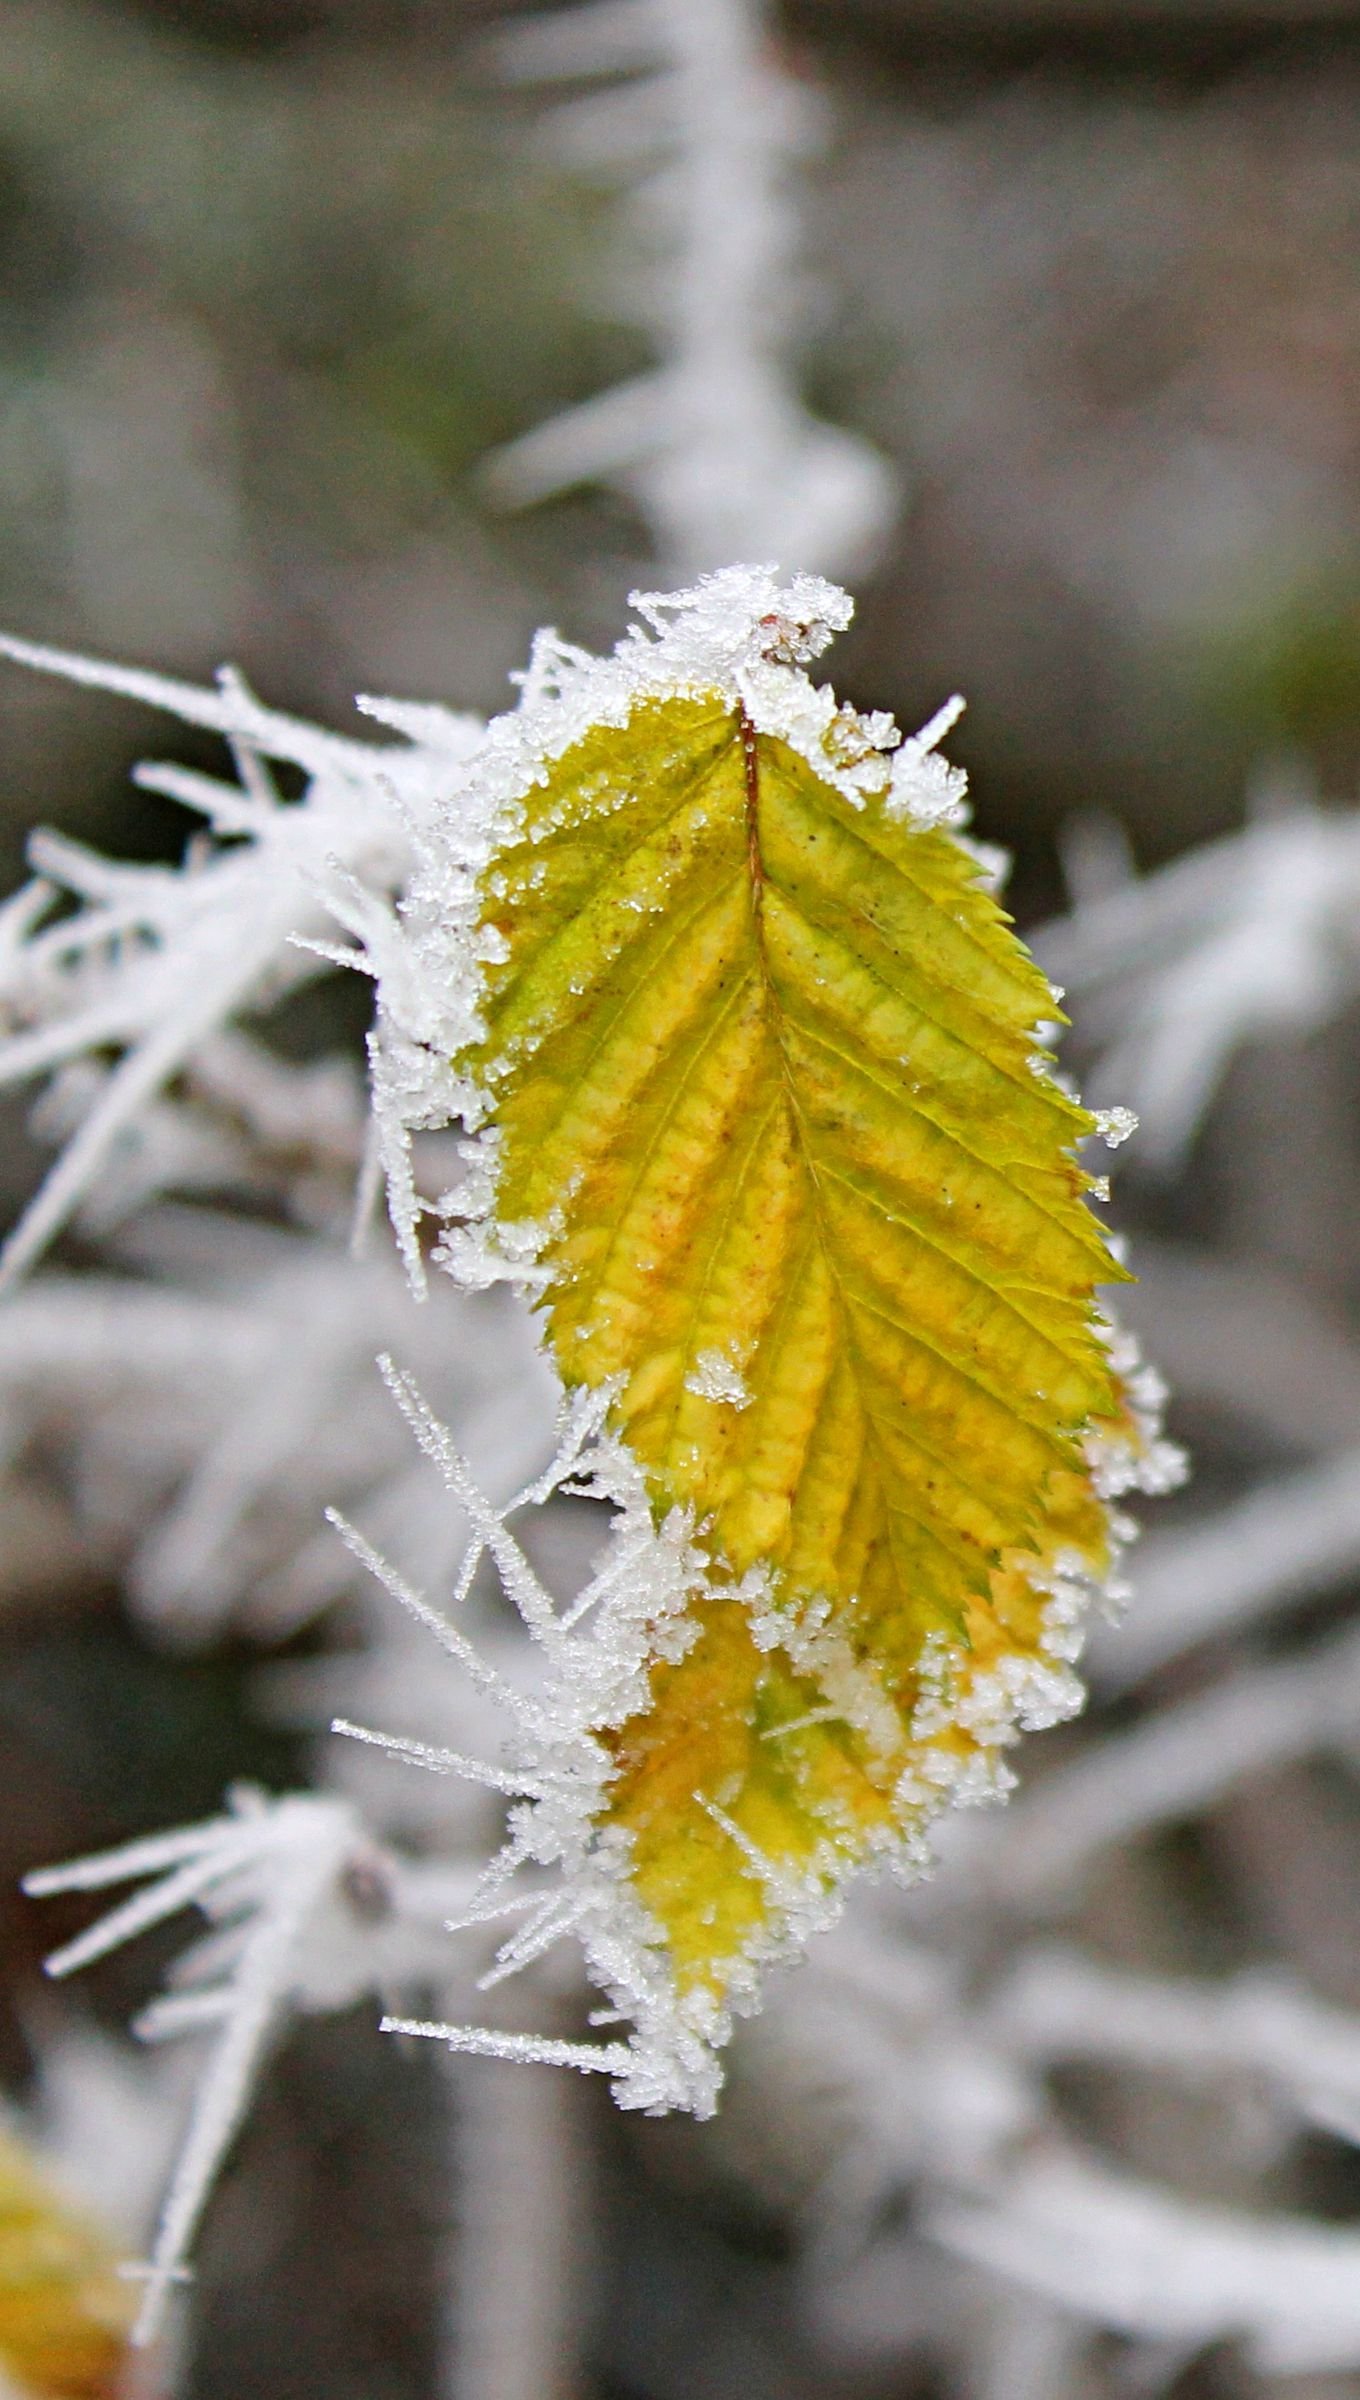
pixel 1292 1537
pixel 266 1871
pixel 1173 1765
pixel 1246 937
pixel 522 2163
pixel 1059 2004
pixel 1250 1340
pixel 157 960
pixel 714 444
pixel 1141 2262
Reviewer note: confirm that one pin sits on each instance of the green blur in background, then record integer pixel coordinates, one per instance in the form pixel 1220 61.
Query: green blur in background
pixel 275 275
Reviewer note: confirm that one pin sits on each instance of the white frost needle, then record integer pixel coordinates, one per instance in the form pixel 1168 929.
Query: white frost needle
pixel 521 1584
pixel 530 2049
pixel 437 1761
pixel 447 1636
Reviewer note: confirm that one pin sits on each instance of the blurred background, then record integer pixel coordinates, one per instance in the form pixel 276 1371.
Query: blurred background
pixel 285 285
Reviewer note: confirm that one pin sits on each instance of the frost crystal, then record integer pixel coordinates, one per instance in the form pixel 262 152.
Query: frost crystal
pixel 714 1376
pixel 1115 1125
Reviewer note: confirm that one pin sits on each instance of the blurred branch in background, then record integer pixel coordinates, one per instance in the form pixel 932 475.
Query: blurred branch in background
pixel 705 126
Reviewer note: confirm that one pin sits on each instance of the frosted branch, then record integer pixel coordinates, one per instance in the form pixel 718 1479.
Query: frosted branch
pixel 715 445
pixel 1140 2262
pixel 1291 1538
pixel 1250 936
pixel 1177 1763
pixel 286 1884
pixel 156 961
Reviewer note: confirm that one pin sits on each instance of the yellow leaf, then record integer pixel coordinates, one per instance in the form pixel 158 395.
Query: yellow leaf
pixel 757 1048
pixel 65 2315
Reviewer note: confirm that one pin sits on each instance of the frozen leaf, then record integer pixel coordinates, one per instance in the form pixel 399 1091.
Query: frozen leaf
pixel 754 1053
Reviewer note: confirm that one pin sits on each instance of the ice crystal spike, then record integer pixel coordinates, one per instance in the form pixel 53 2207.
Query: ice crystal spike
pixel 748 1051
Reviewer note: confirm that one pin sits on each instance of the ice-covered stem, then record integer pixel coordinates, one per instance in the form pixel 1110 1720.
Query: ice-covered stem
pixel 521 2163
pixel 1177 1761
pixel 714 444
pixel 307 1914
pixel 155 961
pixel 1144 2263
pixel 1248 937
pixel 1267 1553
pixel 209 1408
pixel 1059 2004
